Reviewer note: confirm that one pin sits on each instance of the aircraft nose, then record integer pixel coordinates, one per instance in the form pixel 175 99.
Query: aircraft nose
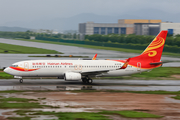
pixel 7 70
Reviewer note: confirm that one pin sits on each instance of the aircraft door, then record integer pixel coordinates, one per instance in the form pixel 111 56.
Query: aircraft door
pixel 26 66
pixel 138 66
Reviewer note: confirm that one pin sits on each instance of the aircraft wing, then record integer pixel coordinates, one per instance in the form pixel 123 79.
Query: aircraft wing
pixel 97 72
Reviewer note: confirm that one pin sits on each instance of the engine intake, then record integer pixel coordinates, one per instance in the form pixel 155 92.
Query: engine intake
pixel 72 76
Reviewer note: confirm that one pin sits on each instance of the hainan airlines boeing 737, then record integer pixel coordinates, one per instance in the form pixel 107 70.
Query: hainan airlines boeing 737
pixel 86 69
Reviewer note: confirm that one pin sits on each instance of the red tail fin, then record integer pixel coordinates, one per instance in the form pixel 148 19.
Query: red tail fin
pixel 154 50
pixel 152 53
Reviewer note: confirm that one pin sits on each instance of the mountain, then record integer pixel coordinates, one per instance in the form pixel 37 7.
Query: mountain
pixel 13 29
pixel 71 23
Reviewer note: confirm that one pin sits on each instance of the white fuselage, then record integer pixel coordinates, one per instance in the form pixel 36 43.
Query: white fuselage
pixel 57 68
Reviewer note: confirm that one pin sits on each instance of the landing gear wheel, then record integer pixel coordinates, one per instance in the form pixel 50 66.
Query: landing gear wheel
pixel 21 80
pixel 90 81
pixel 87 80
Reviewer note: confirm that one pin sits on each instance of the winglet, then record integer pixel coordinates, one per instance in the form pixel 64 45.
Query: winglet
pixel 125 64
pixel 94 58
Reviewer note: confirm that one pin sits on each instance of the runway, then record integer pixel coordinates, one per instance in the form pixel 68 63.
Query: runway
pixel 58 84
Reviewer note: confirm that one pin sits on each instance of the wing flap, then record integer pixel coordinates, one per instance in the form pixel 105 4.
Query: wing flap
pixel 97 72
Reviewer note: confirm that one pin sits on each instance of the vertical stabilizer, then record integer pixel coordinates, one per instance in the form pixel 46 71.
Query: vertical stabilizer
pixel 152 54
pixel 155 48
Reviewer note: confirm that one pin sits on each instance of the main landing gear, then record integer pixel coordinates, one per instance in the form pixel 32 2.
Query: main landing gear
pixel 87 80
pixel 21 80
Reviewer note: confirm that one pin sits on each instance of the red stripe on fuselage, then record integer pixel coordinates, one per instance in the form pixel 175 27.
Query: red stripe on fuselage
pixel 23 69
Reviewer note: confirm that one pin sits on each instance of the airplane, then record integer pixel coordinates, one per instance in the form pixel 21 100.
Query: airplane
pixel 85 70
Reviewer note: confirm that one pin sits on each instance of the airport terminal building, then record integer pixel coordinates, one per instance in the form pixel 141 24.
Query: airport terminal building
pixel 129 26
pixel 124 26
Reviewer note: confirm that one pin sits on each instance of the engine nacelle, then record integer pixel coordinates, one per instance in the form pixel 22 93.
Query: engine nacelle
pixel 72 76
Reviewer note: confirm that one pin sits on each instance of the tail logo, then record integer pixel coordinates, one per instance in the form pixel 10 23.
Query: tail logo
pixel 157 43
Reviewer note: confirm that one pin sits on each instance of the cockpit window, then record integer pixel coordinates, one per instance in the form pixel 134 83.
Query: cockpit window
pixel 14 65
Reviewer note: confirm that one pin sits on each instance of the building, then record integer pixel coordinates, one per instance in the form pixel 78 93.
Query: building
pixel 146 28
pixel 155 28
pixel 173 28
pixel 124 26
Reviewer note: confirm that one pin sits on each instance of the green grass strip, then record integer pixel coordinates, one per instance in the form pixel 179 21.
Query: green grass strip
pixel 9 48
pixel 19 118
pixel 90 115
pixel 24 105
pixel 4 75
pixel 131 114
pixel 5 105
pixel 176 97
pixel 159 72
pixel 16 99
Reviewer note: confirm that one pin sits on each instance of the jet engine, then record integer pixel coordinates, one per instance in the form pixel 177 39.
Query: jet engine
pixel 72 76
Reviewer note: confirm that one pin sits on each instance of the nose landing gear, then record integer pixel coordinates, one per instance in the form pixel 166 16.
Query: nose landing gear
pixel 21 80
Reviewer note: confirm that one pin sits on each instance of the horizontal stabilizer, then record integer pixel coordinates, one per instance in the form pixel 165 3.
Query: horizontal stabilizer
pixel 156 63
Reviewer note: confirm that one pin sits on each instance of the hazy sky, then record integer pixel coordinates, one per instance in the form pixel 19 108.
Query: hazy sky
pixel 20 10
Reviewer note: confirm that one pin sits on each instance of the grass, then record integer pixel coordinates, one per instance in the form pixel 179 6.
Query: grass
pixel 99 47
pixel 12 91
pixel 24 50
pixel 4 75
pixel 24 103
pixel 6 105
pixel 177 97
pixel 89 115
pixel 131 114
pixel 19 118
pixel 159 72
pixel 75 116
pixel 22 112
pixel 16 99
